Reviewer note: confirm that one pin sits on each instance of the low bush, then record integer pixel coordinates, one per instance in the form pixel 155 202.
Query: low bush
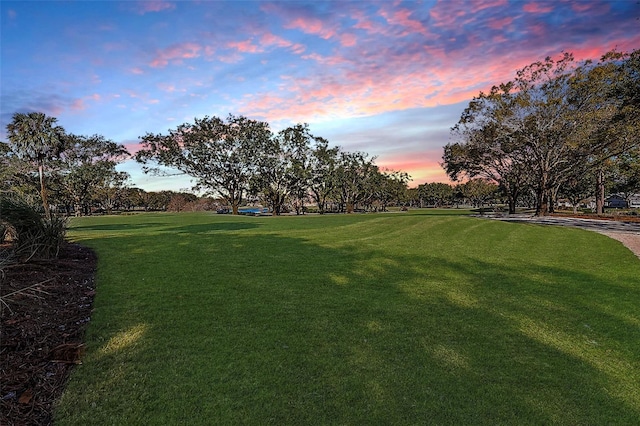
pixel 3 233
pixel 30 234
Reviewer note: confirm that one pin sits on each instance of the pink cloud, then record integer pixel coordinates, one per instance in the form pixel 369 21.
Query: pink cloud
pixel 78 105
pixel 365 23
pixel 537 29
pixel 133 146
pixel 593 7
pixel 498 24
pixel 298 48
pixel 270 39
pixel 326 60
pixel 313 26
pixel 427 174
pixel 384 81
pixel 245 46
pixel 499 39
pixel 166 87
pixel 303 20
pixel 136 70
pixel 402 18
pixel 447 14
pixel 422 169
pixel 348 40
pixel 176 54
pixel 535 7
pixel 455 15
pixel 478 5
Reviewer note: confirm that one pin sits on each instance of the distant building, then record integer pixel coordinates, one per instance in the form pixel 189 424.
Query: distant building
pixel 634 201
pixel 587 203
pixel 615 201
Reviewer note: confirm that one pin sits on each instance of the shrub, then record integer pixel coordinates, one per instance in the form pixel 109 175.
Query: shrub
pixel 3 233
pixel 30 234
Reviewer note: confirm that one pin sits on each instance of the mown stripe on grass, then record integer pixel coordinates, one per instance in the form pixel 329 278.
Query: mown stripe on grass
pixel 393 318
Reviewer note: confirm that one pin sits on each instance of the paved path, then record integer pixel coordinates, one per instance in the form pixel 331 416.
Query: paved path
pixel 628 233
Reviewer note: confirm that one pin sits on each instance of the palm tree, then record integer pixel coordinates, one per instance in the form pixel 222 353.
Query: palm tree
pixel 35 138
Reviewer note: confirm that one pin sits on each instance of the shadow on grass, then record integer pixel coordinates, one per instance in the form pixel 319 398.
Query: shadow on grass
pixel 118 226
pixel 272 329
pixel 438 212
pixel 215 227
pixel 196 228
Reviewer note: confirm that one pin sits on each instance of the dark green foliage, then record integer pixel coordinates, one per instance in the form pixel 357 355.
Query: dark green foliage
pixel 31 235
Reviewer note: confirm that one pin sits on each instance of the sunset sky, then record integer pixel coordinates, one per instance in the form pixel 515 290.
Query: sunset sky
pixel 389 78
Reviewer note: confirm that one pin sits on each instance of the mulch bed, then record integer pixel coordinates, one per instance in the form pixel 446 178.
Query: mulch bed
pixel 45 308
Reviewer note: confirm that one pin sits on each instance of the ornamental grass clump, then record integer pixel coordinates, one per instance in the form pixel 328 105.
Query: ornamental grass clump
pixel 30 235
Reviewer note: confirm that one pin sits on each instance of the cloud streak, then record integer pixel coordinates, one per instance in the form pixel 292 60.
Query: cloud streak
pixel 176 54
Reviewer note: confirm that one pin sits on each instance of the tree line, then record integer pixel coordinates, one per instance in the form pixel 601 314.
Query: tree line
pixel 232 161
pixel 67 171
pixel 559 129
pixel 238 158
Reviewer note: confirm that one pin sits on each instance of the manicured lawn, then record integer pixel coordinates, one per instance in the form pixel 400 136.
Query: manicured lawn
pixel 401 318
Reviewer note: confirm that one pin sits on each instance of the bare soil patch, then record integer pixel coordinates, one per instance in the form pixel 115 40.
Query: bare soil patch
pixel 47 305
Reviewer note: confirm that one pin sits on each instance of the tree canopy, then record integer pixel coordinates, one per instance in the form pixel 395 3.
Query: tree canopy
pixel 221 155
pixel 240 157
pixel 35 138
pixel 555 117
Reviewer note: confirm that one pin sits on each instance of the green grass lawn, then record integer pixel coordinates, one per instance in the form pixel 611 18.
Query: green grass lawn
pixel 402 318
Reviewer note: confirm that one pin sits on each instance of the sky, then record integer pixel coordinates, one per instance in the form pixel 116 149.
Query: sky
pixel 389 78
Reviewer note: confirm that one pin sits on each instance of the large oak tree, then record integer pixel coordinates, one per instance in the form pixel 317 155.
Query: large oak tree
pixel 554 118
pixel 221 155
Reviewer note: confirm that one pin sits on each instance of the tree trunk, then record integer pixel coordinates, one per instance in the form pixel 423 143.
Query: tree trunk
pixel 43 194
pixel 512 197
pixel 512 204
pixel 553 198
pixel 542 196
pixel 539 202
pixel 542 203
pixel 600 192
